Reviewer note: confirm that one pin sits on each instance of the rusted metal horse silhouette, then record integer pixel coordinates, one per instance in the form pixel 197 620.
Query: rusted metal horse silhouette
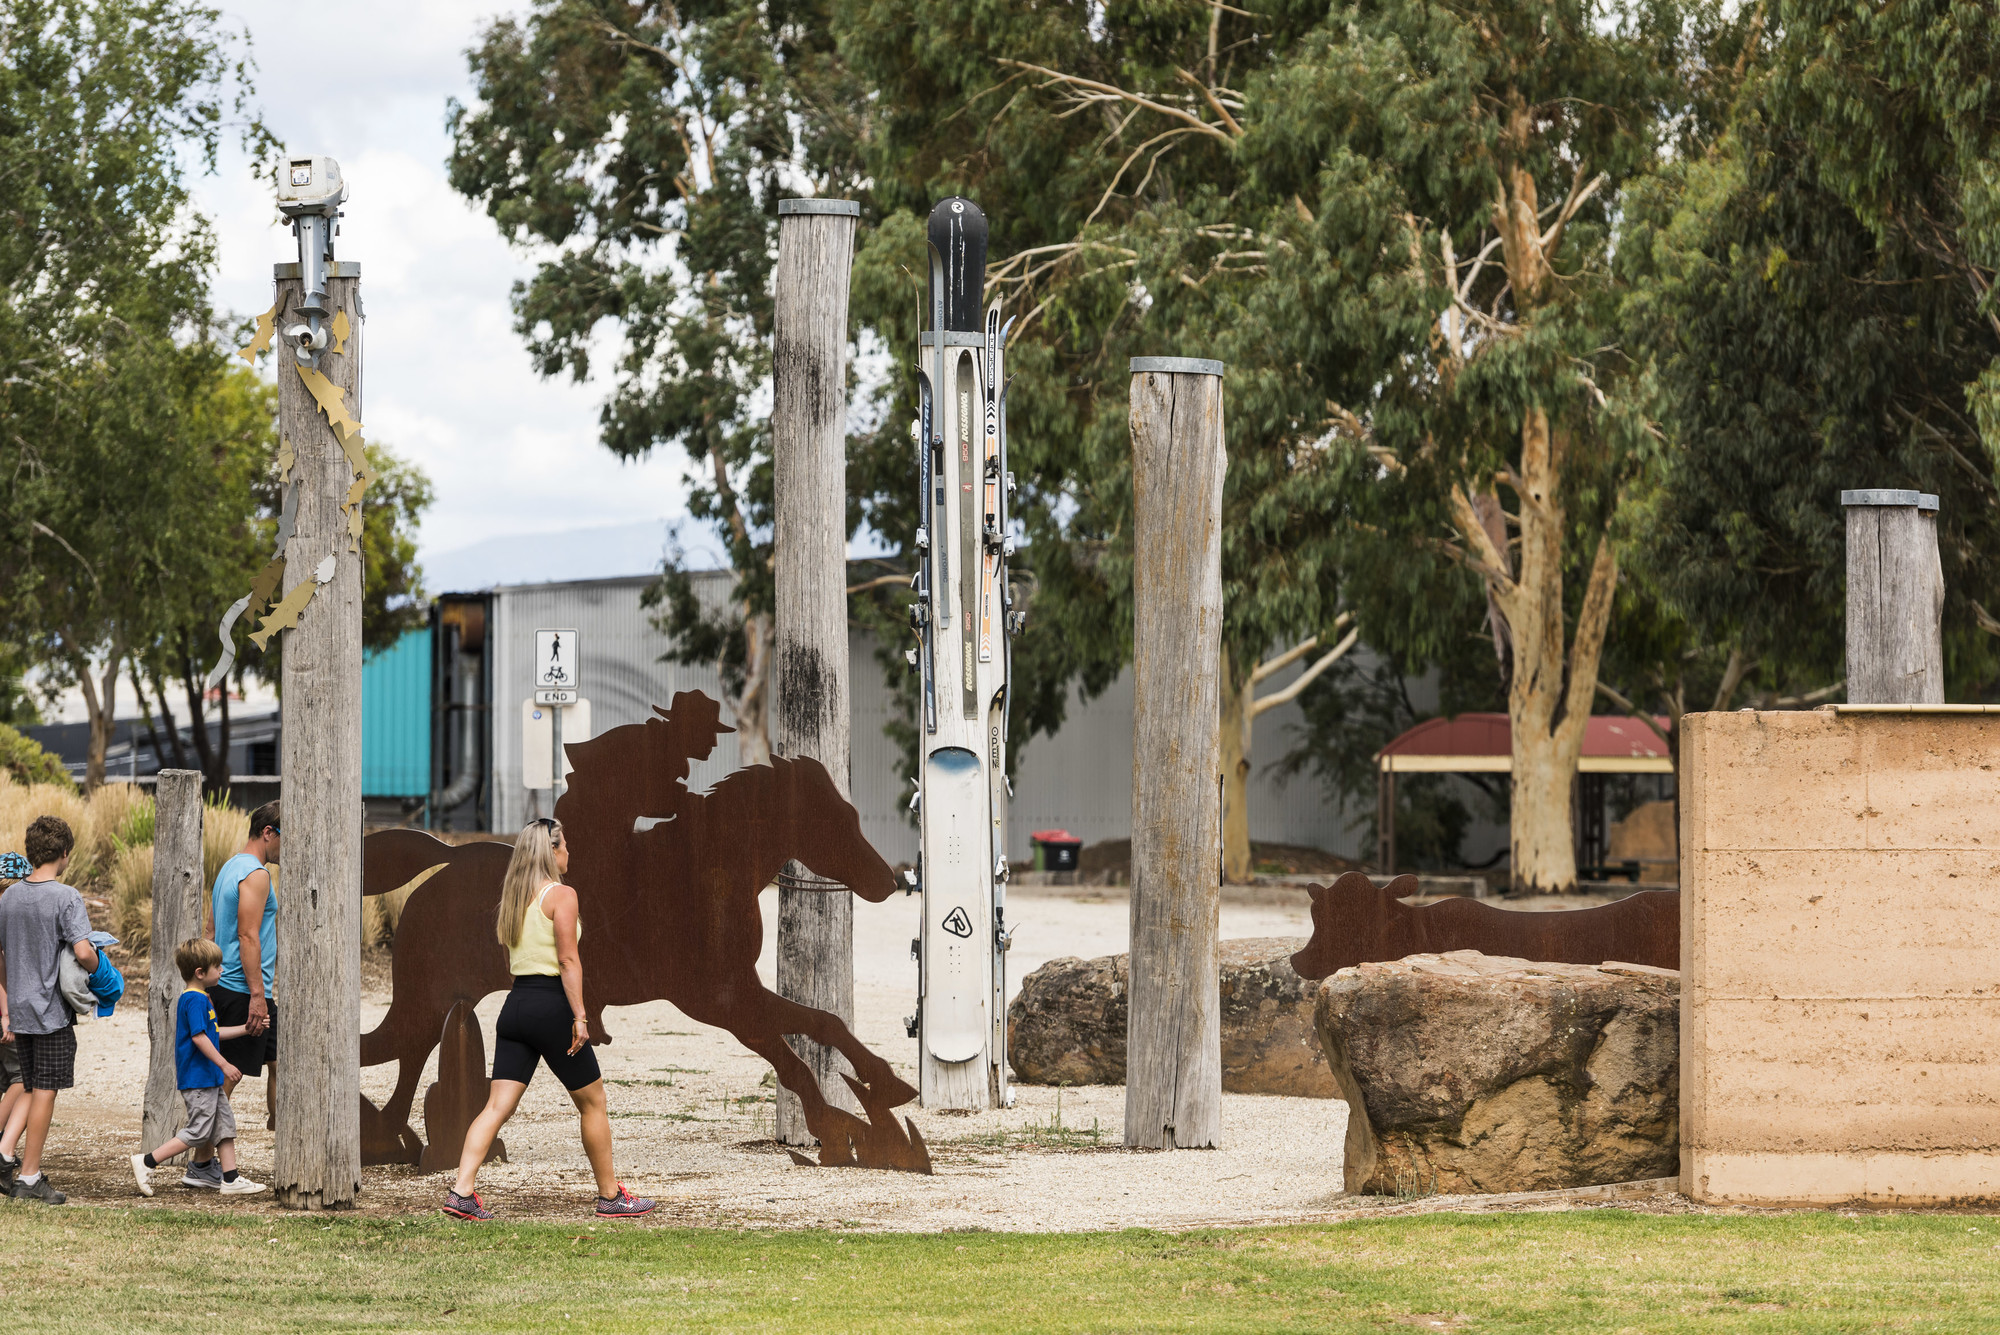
pixel 1356 921
pixel 667 882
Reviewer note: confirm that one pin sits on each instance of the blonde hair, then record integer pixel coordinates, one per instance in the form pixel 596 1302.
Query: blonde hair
pixel 532 867
pixel 195 954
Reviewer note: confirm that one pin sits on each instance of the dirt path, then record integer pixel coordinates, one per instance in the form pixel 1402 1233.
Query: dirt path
pixel 692 1115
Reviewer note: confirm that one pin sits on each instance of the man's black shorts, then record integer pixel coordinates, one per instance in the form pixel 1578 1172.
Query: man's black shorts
pixel 48 1061
pixel 248 1053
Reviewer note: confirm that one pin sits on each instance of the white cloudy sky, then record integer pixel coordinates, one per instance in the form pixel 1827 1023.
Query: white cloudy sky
pixel 448 383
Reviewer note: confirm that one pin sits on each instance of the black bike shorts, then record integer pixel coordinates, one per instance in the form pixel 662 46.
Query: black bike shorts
pixel 535 1025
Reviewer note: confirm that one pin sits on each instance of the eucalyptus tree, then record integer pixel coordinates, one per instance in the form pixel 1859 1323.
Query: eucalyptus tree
pixel 1817 289
pixel 1438 191
pixel 105 107
pixel 1395 221
pixel 645 145
pixel 1105 144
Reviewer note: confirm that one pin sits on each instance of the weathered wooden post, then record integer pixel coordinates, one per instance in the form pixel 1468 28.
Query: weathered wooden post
pixel 177 891
pixel 316 1162
pixel 1895 599
pixel 815 945
pixel 1173 1086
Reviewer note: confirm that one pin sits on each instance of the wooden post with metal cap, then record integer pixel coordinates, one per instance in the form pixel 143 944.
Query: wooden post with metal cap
pixel 316 1158
pixel 1173 1082
pixel 815 946
pixel 1895 598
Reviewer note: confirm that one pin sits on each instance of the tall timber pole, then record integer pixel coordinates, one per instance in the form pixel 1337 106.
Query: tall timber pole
pixel 1173 1081
pixel 316 1161
pixel 177 891
pixel 815 945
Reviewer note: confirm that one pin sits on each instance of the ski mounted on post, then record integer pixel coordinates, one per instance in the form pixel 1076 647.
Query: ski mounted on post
pixel 964 620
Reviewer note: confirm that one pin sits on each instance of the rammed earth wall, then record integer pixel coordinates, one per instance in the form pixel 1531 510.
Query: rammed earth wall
pixel 1840 957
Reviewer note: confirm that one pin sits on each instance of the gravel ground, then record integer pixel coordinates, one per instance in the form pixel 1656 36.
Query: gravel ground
pixel 692 1113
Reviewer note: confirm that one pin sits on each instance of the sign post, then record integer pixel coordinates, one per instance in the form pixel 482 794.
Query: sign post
pixel 557 681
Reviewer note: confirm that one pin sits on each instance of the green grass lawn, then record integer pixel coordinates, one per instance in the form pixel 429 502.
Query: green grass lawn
pixel 90 1269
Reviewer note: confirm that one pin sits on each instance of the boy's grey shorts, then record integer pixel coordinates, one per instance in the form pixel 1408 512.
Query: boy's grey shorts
pixel 210 1119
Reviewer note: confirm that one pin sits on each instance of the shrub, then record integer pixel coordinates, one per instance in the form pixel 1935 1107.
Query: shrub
pixel 138 827
pixel 223 831
pixel 25 761
pixel 21 803
pixel 132 898
pixel 107 814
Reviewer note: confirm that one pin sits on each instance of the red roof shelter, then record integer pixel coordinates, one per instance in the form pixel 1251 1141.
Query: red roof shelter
pixel 1483 744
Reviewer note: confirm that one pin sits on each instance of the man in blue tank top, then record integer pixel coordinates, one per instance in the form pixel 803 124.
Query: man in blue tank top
pixel 246 927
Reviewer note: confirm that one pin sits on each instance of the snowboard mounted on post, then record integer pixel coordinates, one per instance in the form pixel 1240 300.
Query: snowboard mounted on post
pixel 964 620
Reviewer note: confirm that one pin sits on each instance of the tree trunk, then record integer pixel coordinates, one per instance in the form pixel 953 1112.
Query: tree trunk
pixel 752 708
pixel 815 947
pixel 179 748
pixel 1895 599
pixel 100 705
pixel 191 679
pixel 152 723
pixel 177 905
pixel 219 772
pixel 1238 693
pixel 1551 689
pixel 1493 518
pixel 316 1161
pixel 1173 1095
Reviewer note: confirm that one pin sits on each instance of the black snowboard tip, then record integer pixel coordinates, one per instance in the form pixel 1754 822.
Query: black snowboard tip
pixel 958 262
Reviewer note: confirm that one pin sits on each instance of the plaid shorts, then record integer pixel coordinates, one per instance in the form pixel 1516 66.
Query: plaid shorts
pixel 48 1061
pixel 10 1066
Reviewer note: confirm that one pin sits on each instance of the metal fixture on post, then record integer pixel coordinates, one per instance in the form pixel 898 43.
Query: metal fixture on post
pixel 310 193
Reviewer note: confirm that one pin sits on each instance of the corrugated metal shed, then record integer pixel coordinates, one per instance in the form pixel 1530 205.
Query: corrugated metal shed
pixel 1081 778
pixel 396 718
pixel 620 669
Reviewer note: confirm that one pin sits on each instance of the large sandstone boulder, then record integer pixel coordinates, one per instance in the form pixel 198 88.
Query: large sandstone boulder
pixel 1068 1024
pixel 1482 1073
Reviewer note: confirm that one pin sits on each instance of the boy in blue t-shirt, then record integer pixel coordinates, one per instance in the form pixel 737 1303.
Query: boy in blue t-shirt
pixel 201 1071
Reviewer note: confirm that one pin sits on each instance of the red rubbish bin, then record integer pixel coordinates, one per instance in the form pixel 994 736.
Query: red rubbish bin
pixel 1055 850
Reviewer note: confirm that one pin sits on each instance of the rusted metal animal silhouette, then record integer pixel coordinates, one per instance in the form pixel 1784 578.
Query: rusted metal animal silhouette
pixel 667 883
pixel 1356 921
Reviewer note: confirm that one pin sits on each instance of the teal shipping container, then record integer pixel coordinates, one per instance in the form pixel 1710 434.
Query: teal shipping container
pixel 396 718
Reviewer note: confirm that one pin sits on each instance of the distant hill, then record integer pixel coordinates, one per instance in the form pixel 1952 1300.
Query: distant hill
pixel 603 552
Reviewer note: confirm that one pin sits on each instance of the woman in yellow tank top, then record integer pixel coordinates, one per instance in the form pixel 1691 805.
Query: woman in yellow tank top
pixel 543 1021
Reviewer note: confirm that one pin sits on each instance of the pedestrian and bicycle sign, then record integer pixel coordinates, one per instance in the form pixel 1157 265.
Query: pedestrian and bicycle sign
pixel 556 662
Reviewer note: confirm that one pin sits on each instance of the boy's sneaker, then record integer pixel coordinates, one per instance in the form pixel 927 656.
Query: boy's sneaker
pixel 142 1174
pixel 466 1207
pixel 41 1190
pixel 624 1205
pixel 242 1186
pixel 8 1167
pixel 207 1174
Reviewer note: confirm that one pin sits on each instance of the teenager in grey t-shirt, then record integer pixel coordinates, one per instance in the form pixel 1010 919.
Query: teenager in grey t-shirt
pixel 38 921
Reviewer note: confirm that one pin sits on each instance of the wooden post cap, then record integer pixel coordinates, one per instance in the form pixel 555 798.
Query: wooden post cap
pixel 843 208
pixel 1923 500
pixel 1175 366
